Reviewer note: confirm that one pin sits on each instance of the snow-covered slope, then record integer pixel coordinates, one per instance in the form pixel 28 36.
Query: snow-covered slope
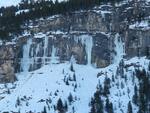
pixel 45 86
pixel 49 83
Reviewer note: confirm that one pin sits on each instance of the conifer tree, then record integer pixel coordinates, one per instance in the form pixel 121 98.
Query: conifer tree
pixel 18 103
pixel 44 111
pixel 129 108
pixel 66 106
pixel 71 67
pixel 98 103
pixel 135 96
pixel 60 106
pixel 70 98
pixel 106 86
pixel 109 106
pixel 74 77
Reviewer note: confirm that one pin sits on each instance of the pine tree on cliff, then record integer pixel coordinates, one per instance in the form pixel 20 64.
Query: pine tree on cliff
pixel 92 106
pixel 135 96
pixel 60 106
pixel 74 77
pixel 106 86
pixel 70 98
pixel 44 111
pixel 97 103
pixel 129 108
pixel 109 106
pixel 71 67
pixel 18 102
pixel 65 106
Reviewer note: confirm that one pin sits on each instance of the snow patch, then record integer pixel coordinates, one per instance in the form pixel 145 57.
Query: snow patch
pixel 144 25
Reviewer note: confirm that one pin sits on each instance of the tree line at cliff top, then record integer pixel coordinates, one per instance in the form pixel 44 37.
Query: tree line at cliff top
pixel 10 22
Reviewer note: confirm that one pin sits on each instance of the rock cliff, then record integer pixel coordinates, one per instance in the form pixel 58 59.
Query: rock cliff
pixel 86 36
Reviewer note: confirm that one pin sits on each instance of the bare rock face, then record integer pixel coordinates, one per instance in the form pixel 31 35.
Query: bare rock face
pixel 87 36
pixel 7 73
pixel 102 47
pixel 64 33
pixel 86 21
pixel 138 43
pixel 85 48
pixel 6 53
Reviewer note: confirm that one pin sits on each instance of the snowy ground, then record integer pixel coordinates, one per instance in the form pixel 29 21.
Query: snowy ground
pixel 36 89
pixel 46 85
pixel 43 83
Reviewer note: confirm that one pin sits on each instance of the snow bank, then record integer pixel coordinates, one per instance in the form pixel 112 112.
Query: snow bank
pixel 144 25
